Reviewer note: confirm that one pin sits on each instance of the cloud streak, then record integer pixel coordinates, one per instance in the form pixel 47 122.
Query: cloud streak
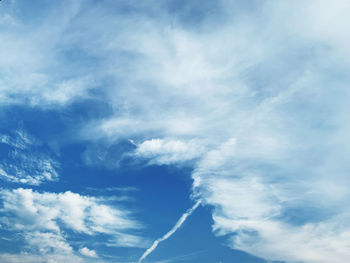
pixel 178 224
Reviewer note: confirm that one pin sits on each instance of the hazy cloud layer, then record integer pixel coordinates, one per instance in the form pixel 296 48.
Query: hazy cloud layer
pixel 34 68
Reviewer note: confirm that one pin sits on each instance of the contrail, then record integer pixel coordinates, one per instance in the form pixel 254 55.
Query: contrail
pixel 171 232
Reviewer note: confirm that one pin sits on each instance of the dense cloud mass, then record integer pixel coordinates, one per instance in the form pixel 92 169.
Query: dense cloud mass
pixel 253 97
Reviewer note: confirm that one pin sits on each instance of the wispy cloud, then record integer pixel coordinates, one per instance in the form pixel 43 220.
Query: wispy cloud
pixel 34 69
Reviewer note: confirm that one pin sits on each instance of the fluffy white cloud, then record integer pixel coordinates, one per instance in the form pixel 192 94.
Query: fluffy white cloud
pixel 42 211
pixel 42 219
pixel 44 247
pixel 29 258
pixel 88 252
pixel 169 151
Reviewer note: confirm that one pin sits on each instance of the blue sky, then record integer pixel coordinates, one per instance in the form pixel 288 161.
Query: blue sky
pixel 174 131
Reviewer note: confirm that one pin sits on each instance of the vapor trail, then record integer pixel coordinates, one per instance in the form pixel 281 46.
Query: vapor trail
pixel 171 232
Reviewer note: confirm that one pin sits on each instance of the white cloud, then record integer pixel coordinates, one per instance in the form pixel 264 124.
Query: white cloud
pixel 169 151
pixel 265 207
pixel 34 69
pixel 52 246
pixel 127 240
pixel 65 92
pixel 31 210
pixel 43 247
pixel 87 252
pixel 29 258
pixel 42 218
pixel 20 140
pixel 307 243
pixel 267 90
pixel 172 231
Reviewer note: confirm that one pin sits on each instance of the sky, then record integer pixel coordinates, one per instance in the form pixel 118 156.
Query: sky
pixel 177 131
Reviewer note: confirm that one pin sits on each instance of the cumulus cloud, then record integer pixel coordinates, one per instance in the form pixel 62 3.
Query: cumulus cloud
pixel 42 219
pixel 26 162
pixel 40 211
pixel 44 248
pixel 28 258
pixel 87 252
pixel 169 151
